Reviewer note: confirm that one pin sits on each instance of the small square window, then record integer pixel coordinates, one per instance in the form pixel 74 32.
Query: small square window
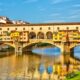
pixel 58 28
pixel 77 28
pixel 40 28
pixel 31 28
pixel 7 28
pixel 0 28
pixel 15 28
pixel 23 28
pixel 67 28
pixel 49 28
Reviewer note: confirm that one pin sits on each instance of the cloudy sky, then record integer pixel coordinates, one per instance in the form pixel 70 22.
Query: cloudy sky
pixel 41 11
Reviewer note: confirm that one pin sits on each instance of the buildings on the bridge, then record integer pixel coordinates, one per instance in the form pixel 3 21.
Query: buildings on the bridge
pixel 23 33
pixel 55 31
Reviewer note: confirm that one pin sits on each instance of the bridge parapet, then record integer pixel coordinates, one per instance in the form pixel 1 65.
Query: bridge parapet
pixel 50 41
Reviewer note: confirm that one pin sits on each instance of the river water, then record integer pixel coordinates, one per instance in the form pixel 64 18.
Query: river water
pixel 17 66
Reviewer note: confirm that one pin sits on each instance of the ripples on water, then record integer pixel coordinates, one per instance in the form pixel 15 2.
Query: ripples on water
pixel 17 65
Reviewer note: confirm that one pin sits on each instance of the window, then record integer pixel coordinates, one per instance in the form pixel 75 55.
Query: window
pixel 0 28
pixel 55 38
pixel 49 28
pixel 24 34
pixel 7 28
pixel 31 28
pixel 67 28
pixel 15 28
pixel 20 38
pixel 8 38
pixel 23 28
pixel 40 28
pixel 77 28
pixel 58 28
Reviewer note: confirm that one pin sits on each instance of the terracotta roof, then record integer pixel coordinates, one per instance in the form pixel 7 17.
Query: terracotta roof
pixel 42 24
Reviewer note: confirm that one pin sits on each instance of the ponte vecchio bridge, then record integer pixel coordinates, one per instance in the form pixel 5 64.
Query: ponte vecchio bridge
pixel 63 35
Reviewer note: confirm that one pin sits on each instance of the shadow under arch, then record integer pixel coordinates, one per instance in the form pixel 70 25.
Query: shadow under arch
pixel 40 35
pixel 38 45
pixel 32 35
pixel 49 35
pixel 6 50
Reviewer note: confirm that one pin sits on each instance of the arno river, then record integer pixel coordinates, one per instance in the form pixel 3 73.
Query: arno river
pixel 20 66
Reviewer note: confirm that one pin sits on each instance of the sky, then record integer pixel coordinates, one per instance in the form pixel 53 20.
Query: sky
pixel 41 11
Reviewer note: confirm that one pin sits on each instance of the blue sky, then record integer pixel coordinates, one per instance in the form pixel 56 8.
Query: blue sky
pixel 41 11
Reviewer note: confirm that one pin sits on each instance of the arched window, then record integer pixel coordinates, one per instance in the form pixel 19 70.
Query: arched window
pixel 49 35
pixel 40 35
pixel 32 35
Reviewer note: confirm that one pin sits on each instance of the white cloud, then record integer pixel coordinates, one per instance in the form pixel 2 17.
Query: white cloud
pixel 30 1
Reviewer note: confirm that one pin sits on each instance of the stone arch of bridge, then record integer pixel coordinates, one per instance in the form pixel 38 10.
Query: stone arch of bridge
pixel 10 44
pixel 72 49
pixel 59 46
pixel 74 45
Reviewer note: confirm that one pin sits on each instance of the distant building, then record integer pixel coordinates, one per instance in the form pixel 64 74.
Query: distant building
pixel 4 20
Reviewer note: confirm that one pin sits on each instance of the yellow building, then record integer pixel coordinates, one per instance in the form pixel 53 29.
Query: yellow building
pixel 59 36
pixel 15 34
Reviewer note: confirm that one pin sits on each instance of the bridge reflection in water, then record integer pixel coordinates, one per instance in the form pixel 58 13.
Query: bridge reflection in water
pixel 23 66
pixel 27 65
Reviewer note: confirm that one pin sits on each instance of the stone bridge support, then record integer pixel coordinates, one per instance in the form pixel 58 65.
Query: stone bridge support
pixel 18 48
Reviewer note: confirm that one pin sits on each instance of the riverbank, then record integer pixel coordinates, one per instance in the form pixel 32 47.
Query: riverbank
pixel 76 76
